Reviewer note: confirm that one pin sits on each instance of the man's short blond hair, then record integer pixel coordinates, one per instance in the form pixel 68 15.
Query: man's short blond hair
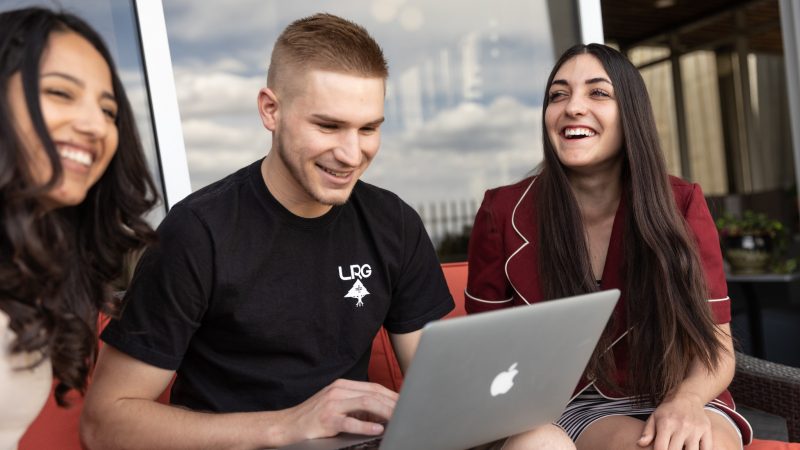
pixel 325 42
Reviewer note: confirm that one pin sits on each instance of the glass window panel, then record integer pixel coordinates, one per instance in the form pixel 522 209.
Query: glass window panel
pixel 704 121
pixel 640 56
pixel 772 162
pixel 463 103
pixel 658 79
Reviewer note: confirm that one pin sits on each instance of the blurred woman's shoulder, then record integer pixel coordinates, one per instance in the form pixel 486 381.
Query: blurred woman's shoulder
pixel 25 380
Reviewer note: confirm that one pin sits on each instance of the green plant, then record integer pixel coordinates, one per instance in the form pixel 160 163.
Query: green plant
pixel 453 247
pixel 787 265
pixel 759 224
pixel 750 223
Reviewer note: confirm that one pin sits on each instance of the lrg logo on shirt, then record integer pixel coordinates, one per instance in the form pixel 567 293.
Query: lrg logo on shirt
pixel 356 271
pixel 358 291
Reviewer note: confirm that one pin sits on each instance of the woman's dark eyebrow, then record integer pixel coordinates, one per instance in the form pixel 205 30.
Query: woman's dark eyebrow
pixel 589 81
pixel 598 80
pixel 65 76
pixel 77 81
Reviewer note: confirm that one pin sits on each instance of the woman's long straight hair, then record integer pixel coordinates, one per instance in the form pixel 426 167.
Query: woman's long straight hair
pixel 669 321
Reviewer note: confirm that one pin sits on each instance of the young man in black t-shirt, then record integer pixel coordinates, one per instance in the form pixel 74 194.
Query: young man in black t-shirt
pixel 267 287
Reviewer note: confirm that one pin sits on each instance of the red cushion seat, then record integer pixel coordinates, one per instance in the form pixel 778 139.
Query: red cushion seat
pixel 57 428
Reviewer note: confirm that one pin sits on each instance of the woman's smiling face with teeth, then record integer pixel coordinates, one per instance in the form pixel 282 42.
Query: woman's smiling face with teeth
pixel 79 109
pixel 582 116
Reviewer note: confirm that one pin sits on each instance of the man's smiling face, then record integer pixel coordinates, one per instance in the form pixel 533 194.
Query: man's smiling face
pixel 327 130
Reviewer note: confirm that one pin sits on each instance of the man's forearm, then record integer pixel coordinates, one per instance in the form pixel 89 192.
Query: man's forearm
pixel 145 424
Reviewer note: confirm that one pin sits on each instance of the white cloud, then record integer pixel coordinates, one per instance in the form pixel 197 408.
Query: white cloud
pixel 221 127
pixel 190 20
pixel 448 159
pixel 471 127
pixel 214 134
pixel 242 28
pixel 384 10
pixel 221 51
pixel 461 152
pixel 411 19
pixel 215 93
pixel 215 149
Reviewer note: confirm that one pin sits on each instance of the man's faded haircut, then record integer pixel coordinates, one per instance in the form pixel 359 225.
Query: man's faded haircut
pixel 326 42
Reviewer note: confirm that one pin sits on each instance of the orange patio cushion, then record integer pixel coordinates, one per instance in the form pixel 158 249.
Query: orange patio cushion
pixel 772 445
pixel 57 428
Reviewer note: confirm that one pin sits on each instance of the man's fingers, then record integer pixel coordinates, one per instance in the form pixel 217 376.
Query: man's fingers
pixel 377 407
pixel 349 401
pixel 364 387
pixel 365 414
pixel 345 406
pixel 355 426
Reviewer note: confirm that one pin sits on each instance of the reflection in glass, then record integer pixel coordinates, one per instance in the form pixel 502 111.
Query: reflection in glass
pixel 658 79
pixel 704 130
pixel 772 163
pixel 463 104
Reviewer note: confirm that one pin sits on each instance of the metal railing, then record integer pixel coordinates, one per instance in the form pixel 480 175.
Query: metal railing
pixel 448 218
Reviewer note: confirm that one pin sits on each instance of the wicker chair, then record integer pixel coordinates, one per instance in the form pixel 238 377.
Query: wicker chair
pixel 769 387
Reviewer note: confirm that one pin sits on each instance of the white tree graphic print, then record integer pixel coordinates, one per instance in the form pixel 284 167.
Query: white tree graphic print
pixel 358 292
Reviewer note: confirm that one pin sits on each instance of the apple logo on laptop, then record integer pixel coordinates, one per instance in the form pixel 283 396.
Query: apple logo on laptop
pixel 504 381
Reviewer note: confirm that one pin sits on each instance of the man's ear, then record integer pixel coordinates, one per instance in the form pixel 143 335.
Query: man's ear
pixel 268 108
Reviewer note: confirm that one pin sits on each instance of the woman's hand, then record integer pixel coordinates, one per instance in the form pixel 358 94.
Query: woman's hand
pixel 679 422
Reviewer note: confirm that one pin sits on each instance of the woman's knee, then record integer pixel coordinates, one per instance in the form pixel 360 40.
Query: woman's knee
pixel 545 437
pixel 611 432
pixel 726 435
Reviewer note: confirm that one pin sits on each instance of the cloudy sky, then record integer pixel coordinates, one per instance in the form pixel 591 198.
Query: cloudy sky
pixel 463 97
pixel 463 100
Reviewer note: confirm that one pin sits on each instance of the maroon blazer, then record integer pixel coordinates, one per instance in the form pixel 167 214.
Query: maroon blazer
pixel 504 266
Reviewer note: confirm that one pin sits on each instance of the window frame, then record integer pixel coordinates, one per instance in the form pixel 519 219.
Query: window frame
pixel 163 100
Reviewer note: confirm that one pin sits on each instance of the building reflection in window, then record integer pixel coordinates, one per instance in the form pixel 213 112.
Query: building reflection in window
pixel 463 103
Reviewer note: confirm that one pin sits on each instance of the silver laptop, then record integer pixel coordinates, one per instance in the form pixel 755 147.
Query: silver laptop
pixel 482 377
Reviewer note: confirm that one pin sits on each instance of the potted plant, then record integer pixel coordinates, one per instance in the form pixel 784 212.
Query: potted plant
pixel 750 241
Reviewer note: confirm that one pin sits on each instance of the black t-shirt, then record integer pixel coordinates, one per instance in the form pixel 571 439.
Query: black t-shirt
pixel 258 309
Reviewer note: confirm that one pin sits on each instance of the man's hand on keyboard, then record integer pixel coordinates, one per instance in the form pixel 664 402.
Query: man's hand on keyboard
pixel 344 406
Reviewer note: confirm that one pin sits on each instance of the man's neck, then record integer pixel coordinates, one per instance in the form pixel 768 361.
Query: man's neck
pixel 287 191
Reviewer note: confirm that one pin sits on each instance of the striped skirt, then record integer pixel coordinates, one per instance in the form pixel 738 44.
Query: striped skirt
pixel 589 406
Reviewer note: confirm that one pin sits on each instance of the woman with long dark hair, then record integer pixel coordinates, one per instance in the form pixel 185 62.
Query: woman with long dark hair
pixel 603 213
pixel 73 188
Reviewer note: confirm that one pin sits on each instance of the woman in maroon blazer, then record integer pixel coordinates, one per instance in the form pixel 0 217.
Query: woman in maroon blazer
pixel 603 213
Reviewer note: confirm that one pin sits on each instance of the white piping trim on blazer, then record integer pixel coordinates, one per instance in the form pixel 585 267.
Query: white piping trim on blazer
pixel 716 402
pixel 513 215
pixel 732 411
pixel 591 382
pixel 711 300
pixel 472 297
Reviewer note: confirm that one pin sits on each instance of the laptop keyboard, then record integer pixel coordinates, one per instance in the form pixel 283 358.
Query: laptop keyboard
pixel 367 445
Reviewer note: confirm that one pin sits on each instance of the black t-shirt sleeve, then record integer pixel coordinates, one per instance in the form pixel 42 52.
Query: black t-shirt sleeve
pixel 420 294
pixel 168 295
